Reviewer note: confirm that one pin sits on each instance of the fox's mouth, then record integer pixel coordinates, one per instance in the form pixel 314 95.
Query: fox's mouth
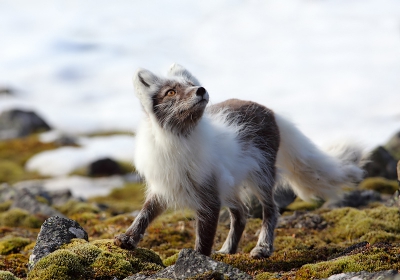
pixel 202 101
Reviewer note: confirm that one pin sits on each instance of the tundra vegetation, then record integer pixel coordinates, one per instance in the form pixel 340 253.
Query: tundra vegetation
pixel 336 240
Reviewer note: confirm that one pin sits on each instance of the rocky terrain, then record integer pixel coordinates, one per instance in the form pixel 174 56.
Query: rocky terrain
pixel 49 232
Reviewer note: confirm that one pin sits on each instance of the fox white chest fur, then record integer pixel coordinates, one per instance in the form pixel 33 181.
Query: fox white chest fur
pixel 203 158
pixel 174 165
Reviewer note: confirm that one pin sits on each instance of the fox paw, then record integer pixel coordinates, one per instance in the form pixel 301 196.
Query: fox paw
pixel 125 241
pixel 259 252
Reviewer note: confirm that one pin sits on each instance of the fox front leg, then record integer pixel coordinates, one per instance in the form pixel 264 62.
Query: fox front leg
pixel 151 209
pixel 206 227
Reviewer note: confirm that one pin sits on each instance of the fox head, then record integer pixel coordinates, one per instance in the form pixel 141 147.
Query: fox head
pixel 176 102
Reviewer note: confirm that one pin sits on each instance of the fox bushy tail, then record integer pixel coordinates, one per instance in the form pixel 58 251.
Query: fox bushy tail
pixel 311 172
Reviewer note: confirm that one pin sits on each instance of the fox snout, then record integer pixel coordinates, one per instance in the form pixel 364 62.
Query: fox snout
pixel 201 92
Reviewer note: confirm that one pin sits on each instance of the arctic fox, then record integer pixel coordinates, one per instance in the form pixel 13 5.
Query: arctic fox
pixel 204 157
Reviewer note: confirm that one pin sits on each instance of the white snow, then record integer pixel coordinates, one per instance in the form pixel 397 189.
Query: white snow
pixel 64 160
pixel 332 66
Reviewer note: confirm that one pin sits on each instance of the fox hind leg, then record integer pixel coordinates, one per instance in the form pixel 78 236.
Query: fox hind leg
pixel 265 194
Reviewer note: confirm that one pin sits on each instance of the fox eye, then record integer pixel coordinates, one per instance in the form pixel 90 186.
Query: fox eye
pixel 170 92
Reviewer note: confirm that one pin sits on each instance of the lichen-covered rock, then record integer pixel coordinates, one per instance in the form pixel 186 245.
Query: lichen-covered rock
pixel 5 275
pixel 355 198
pixel 54 233
pixel 364 275
pixel 193 265
pixel 100 259
pixel 190 263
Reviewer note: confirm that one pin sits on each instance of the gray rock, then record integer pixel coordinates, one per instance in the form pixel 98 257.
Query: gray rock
pixel 54 233
pixel 300 219
pixel 25 200
pixel 363 275
pixel 190 263
pixel 18 123
pixel 7 192
pixel 356 198
pixel 382 164
pixel 104 167
pixel 37 188
pixel 167 273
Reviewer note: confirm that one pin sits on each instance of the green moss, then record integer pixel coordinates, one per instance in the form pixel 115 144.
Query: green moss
pixel 350 224
pixel 374 259
pixel 5 275
pixel 379 184
pixel 300 205
pixel 15 153
pixel 380 236
pixel 11 244
pixel 4 206
pixel 99 259
pixel 19 218
pixel 171 260
pixel 76 207
pixel 111 265
pixel 61 264
pixel 10 171
pixel 141 259
pixel 123 200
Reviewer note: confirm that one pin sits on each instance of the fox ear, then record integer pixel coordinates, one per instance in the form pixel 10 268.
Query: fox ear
pixel 145 84
pixel 179 71
pixel 144 78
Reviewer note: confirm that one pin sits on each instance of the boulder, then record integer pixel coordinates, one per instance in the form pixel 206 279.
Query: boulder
pixel 19 123
pixel 193 264
pixel 356 198
pixel 381 164
pixel 104 167
pixel 54 233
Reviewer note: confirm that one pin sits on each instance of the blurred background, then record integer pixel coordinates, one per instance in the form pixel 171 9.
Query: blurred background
pixel 331 66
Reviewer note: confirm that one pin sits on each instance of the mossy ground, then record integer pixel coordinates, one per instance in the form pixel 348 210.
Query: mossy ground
pixel 15 153
pixel 99 259
pixel 300 253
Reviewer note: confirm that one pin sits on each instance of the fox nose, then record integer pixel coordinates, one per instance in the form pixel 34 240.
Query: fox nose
pixel 200 91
